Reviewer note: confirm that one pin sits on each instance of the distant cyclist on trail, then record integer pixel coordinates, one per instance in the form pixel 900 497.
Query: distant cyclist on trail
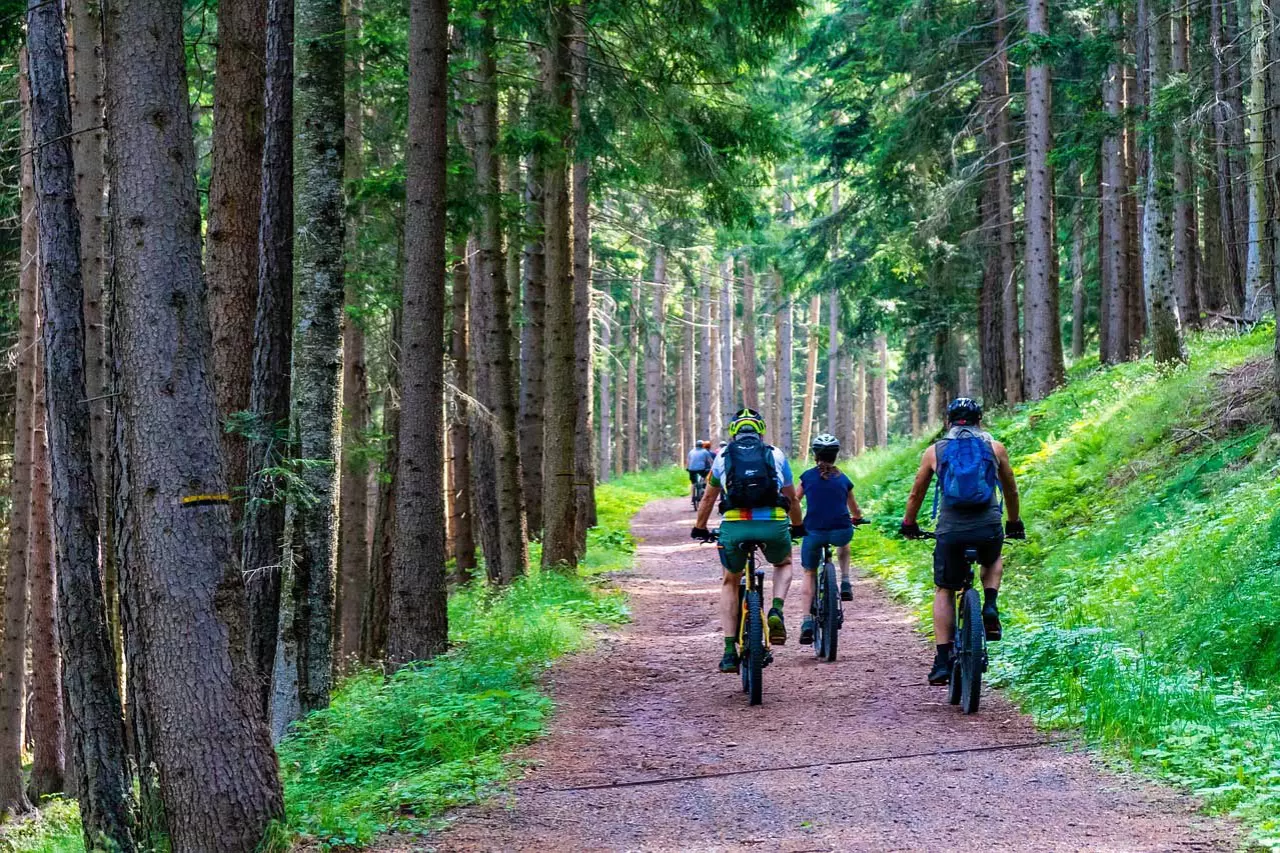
pixel 698 465
pixel 759 505
pixel 972 468
pixel 831 511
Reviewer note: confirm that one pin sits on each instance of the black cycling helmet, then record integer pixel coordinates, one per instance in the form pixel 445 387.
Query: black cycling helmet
pixel 746 420
pixel 964 411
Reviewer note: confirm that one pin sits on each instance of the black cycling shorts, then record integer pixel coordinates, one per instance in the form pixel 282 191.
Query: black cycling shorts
pixel 695 474
pixel 949 565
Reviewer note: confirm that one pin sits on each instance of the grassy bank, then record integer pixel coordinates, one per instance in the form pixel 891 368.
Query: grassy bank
pixel 392 754
pixel 1145 607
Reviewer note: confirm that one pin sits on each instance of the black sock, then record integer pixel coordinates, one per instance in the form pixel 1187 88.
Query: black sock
pixel 944 651
pixel 989 596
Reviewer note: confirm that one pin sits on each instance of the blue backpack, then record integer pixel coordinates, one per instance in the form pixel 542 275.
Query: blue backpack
pixel 966 472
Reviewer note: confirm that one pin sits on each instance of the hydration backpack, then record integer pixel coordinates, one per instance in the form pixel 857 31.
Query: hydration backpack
pixel 750 478
pixel 966 472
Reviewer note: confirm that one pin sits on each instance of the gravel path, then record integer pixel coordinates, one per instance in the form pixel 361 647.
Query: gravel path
pixel 647 704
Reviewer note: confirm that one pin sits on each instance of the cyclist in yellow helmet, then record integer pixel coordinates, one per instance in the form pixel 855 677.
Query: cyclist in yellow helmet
pixel 753 483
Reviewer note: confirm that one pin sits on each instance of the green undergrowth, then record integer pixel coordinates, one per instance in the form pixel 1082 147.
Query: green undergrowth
pixel 1144 610
pixel 393 753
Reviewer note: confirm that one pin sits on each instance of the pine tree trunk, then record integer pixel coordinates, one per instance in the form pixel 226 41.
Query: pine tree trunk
pixel 460 521
pixel 1226 120
pixel 1272 151
pixel 605 457
pixel 560 415
pixel 711 365
pixel 419 627
pixel 633 381
pixel 533 343
pixel 88 149
pixel 688 353
pixel 990 313
pixel 848 427
pixel 1185 243
pixel 584 457
pixel 1014 379
pixel 13 644
pixel 353 489
pixel 750 371
pixel 1114 246
pixel 1157 278
pixel 218 775
pixel 860 425
pixel 810 373
pixel 880 391
pixel 1213 271
pixel 377 606
pixel 728 400
pixel 261 547
pixel 48 725
pixel 833 361
pixel 707 367
pixel 1135 171
pixel 90 682
pixel 496 454
pixel 655 360
pixel 231 234
pixel 786 365
pixel 1258 299
pixel 1079 299
pixel 1044 367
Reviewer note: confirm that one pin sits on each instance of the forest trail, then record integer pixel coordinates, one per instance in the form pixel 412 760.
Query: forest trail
pixel 647 703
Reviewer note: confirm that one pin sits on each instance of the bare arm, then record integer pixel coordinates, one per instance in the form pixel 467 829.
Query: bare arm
pixel 920 488
pixel 854 512
pixel 709 498
pixel 797 517
pixel 1008 484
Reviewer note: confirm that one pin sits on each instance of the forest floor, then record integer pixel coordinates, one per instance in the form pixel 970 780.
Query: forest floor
pixel 856 755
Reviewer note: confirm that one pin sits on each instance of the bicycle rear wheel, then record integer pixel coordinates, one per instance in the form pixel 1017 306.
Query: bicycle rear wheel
pixel 975 641
pixel 753 659
pixel 830 609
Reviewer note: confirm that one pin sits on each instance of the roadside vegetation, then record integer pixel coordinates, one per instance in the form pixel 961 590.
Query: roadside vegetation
pixel 1144 609
pixel 390 754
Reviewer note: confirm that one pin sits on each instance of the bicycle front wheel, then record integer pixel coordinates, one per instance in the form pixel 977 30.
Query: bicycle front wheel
pixel 975 641
pixel 753 659
pixel 830 613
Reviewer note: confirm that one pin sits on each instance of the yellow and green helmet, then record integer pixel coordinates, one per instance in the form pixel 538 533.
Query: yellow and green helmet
pixel 748 419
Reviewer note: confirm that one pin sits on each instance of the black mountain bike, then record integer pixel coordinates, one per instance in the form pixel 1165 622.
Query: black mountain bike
pixel 699 489
pixel 828 612
pixel 969 656
pixel 753 639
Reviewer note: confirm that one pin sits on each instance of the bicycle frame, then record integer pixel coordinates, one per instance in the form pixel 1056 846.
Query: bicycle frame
pixel 752 581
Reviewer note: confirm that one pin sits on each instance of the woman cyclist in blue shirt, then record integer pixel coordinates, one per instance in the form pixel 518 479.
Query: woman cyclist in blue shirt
pixel 831 511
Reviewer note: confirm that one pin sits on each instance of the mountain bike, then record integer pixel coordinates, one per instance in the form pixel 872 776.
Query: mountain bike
pixel 699 489
pixel 753 639
pixel 969 653
pixel 828 612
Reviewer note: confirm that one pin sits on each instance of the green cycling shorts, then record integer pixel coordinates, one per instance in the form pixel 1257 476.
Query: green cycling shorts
pixel 774 533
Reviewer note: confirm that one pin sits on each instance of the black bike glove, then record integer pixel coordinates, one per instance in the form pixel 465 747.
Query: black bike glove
pixel 1015 530
pixel 798 531
pixel 911 531
pixel 702 534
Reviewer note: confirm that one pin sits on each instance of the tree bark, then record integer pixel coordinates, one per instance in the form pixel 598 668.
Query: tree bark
pixel 13 645
pixel 727 397
pixel 93 697
pixel 497 454
pixel 833 362
pixel 377 605
pixel 533 342
pixel 860 442
pixel 786 394
pixel 460 522
pixel 1135 175
pixel 584 458
pixel 262 541
pixel 48 724
pixel 231 234
pixel 1079 299
pixel 1258 299
pixel 1157 278
pixel 880 391
pixel 605 457
pixel 1044 367
pixel 353 488
pixel 218 774
pixel 1114 247
pixel 706 369
pixel 1214 275
pixel 750 372
pixel 633 380
pixel 419 627
pixel 808 407
pixel 1227 126
pixel 990 315
pixel 655 360
pixel 1185 242
pixel 88 149
pixel 688 354
pixel 1014 378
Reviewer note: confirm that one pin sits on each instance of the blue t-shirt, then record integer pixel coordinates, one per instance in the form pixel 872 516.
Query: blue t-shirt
pixel 826 501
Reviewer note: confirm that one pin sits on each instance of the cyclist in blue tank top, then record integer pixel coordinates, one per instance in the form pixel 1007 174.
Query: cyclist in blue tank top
pixel 831 511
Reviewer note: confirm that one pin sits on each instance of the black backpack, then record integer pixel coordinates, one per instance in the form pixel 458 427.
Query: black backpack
pixel 750 479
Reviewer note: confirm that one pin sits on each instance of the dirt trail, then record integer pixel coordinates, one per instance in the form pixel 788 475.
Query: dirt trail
pixel 647 703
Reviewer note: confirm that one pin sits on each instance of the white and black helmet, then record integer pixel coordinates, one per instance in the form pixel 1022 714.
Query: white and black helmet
pixel 825 441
